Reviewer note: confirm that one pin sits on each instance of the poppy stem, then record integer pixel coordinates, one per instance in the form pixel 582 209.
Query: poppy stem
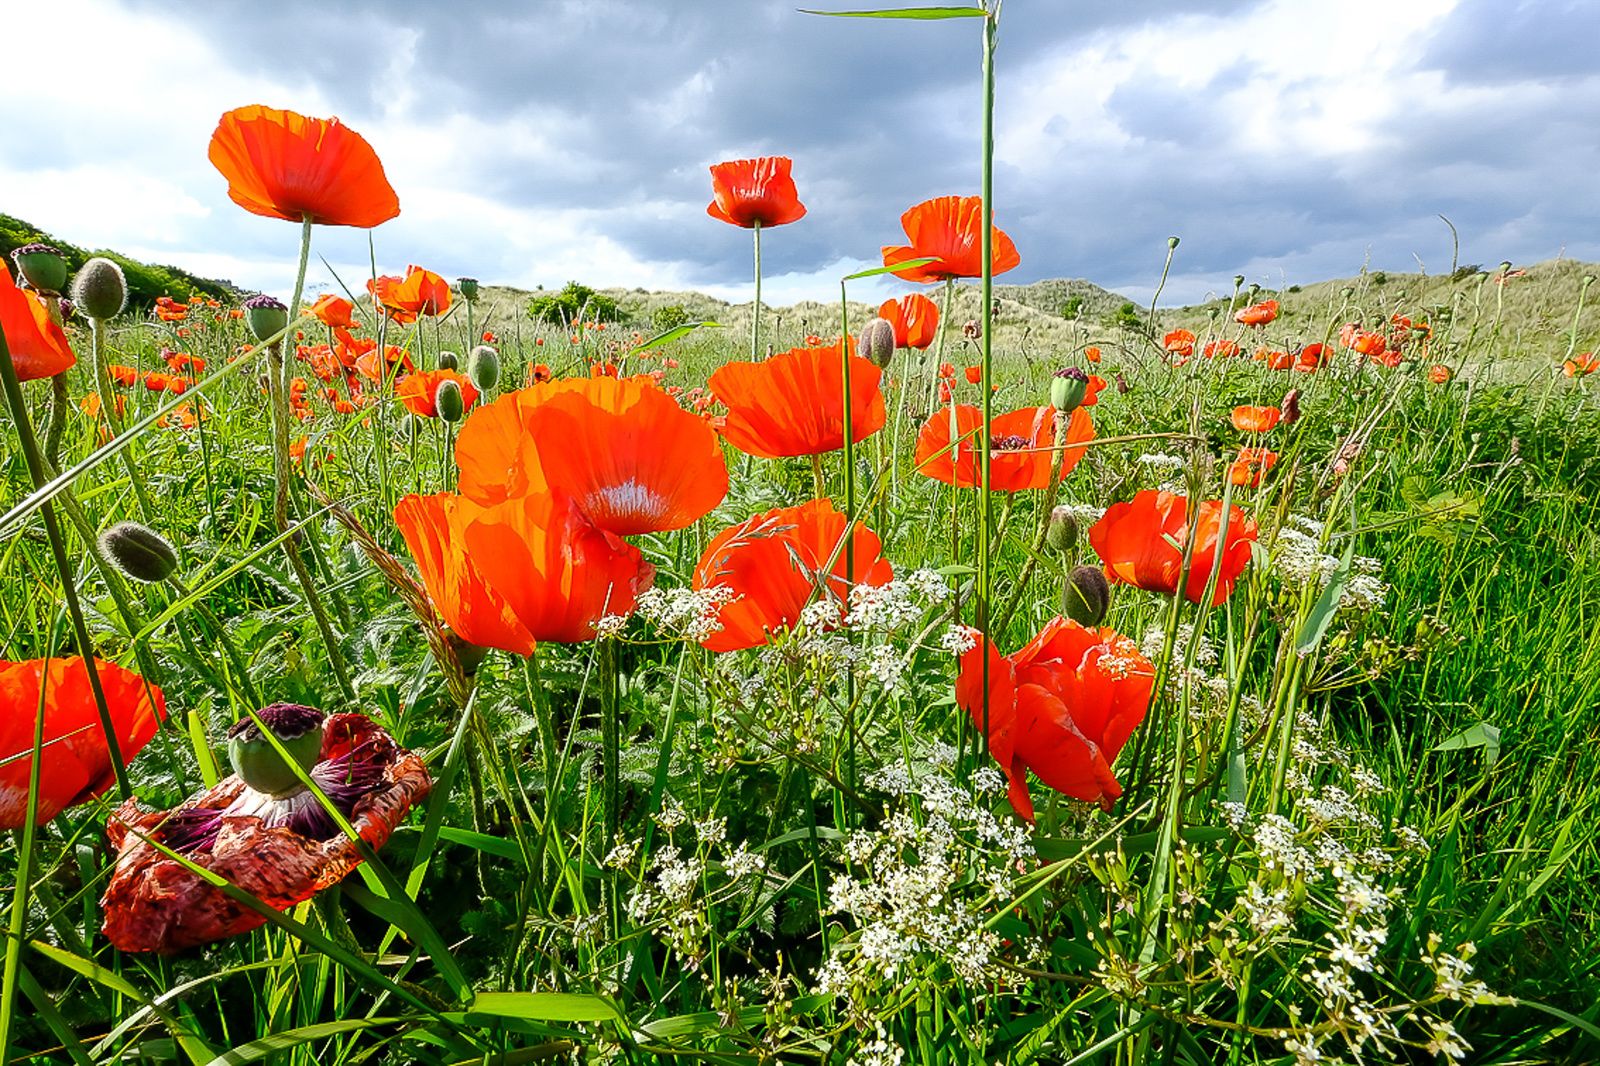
pixel 849 509
pixel 985 443
pixel 755 310
pixel 24 846
pixel 59 399
pixel 1058 451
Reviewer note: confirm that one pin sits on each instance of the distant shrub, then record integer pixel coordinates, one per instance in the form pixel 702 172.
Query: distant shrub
pixel 1127 317
pixel 145 281
pixel 1462 273
pixel 1073 308
pixel 573 302
pixel 1294 288
pixel 1379 277
pixel 669 317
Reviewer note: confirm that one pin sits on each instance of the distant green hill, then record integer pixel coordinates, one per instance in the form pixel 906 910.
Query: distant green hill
pixel 145 281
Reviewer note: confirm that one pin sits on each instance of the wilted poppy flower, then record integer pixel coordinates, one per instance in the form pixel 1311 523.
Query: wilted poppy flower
pixel 1251 466
pixel 777 562
pixel 1438 373
pixel 76 764
pixel 1062 707
pixel 950 230
pixel 1581 365
pixel 37 345
pixel 333 311
pixel 1020 442
pixel 1135 540
pixel 1179 342
pixel 751 191
pixel 283 165
pixel 259 828
pixel 915 319
pixel 420 292
pixel 1257 314
pixel 419 390
pixel 1255 419
pixel 793 403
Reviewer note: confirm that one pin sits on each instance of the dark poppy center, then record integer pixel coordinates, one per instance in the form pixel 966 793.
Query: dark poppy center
pixel 1011 442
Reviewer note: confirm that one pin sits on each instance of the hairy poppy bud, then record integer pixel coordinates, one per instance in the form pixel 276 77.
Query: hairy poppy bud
pixel 100 289
pixel 483 367
pixel 449 360
pixel 1086 595
pixel 1290 407
pixel 1061 532
pixel 1067 389
pixel 468 287
pixel 469 655
pixel 877 342
pixel 410 426
pixel 43 266
pixel 298 729
pixel 448 401
pixel 138 551
pixel 266 316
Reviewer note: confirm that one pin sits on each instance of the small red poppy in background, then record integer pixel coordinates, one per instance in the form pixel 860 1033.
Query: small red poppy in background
pixel 777 562
pixel 333 311
pixel 1367 342
pixel 915 319
pixel 1311 358
pixel 1251 466
pixel 1255 419
pixel 1140 541
pixel 1580 366
pixel 126 376
pixel 1220 349
pixel 1091 354
pixel 1439 374
pixel 1091 395
pixel 950 230
pixel 284 165
pixel 974 374
pixel 1179 342
pixel 38 346
pixel 170 310
pixel 540 373
pixel 419 391
pixel 1063 707
pixel 751 192
pixel 793 403
pixel 1020 440
pixel 76 760
pixel 420 292
pixel 1257 314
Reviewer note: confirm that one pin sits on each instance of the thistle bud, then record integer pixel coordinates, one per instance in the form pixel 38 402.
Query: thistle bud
pixel 468 287
pixel 138 551
pixel 1061 532
pixel 483 367
pixel 877 342
pixel 266 316
pixel 297 728
pixel 1067 389
pixel 43 266
pixel 1290 407
pixel 449 402
pixel 100 289
pixel 1086 595
pixel 449 360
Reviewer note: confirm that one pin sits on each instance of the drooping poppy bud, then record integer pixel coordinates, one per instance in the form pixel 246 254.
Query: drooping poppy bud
pixel 1061 532
pixel 877 342
pixel 43 266
pixel 449 360
pixel 468 287
pixel 138 551
pixel 266 316
pixel 483 367
pixel 100 289
pixel 449 402
pixel 1290 407
pixel 299 731
pixel 1067 389
pixel 1086 595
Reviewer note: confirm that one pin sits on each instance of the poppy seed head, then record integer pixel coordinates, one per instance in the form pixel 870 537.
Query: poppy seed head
pixel 42 265
pixel 266 315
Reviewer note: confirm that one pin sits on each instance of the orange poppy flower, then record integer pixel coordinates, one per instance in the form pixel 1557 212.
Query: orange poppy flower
pixel 1367 342
pixel 418 391
pixel 1135 540
pixel 750 191
pixel 1179 342
pixel 170 310
pixel 1063 707
pixel 1091 394
pixel 1257 314
pixel 37 345
pixel 1220 350
pixel 629 457
pixel 1438 373
pixel 181 417
pixel 283 165
pixel 1251 466
pixel 76 764
pixel 973 374
pixel 1255 419
pixel 1581 365
pixel 915 319
pixel 374 367
pixel 1091 354
pixel 541 373
pixel 793 403
pixel 333 311
pixel 434 528
pixel 950 230
pixel 1020 440
pixel 777 562
pixel 155 381
pixel 1311 358
pixel 420 292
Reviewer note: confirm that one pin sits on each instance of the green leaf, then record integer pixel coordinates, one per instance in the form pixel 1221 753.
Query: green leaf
pixel 256 1050
pixel 905 13
pixel 542 1007
pixel 888 269
pixel 673 334
pixel 1482 735
pixel 1327 605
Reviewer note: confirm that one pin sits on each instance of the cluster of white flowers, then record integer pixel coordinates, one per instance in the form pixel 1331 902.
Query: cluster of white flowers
pixel 1161 461
pixel 878 1051
pixel 886 606
pixel 1298 559
pixel 689 613
pixel 610 626
pixel 959 639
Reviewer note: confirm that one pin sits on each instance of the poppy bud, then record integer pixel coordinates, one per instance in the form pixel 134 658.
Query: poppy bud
pixel 66 307
pixel 1172 243
pixel 1067 389
pixel 138 551
pixel 877 342
pixel 266 316
pixel 1086 595
pixel 483 367
pixel 449 402
pixel 1290 407
pixel 100 289
pixel 43 266
pixel 1123 388
pixel 449 360
pixel 298 729
pixel 1061 533
pixel 468 287
pixel 410 427
pixel 1505 265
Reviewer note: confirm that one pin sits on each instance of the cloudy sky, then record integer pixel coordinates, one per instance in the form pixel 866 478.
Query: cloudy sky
pixel 547 140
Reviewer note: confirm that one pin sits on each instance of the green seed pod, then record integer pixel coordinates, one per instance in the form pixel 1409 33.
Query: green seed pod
pixel 876 343
pixel 449 360
pixel 100 289
pixel 298 729
pixel 1086 596
pixel 266 316
pixel 1068 388
pixel 1172 243
pixel 468 287
pixel 448 401
pixel 138 551
pixel 1061 532
pixel 483 367
pixel 43 266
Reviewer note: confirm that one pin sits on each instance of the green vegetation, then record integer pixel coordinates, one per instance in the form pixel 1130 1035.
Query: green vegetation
pixel 572 304
pixel 145 281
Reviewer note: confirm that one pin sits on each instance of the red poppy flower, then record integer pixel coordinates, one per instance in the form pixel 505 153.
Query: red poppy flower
pixel 76 763
pixel 1311 358
pixel 1220 349
pixel 1135 540
pixel 751 191
pixel 1367 342
pixel 420 292
pixel 1257 314
pixel 1581 365
pixel 1251 466
pixel 170 310
pixel 1063 707
pixel 1091 354
pixel 915 319
pixel 1255 419
pixel 973 374
pixel 126 376
pixel 793 403
pixel 950 230
pixel 1091 395
pixel 778 562
pixel 1020 441
pixel 333 311
pixel 434 528
pixel 283 165
pixel 418 391
pixel 37 345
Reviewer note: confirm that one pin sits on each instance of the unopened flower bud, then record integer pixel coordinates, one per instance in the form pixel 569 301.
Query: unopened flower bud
pixel 67 307
pixel 449 360
pixel 449 402
pixel 100 289
pixel 876 342
pixel 1067 389
pixel 469 655
pixel 468 287
pixel 1086 595
pixel 483 367
pixel 410 427
pixel 1061 532
pixel 1290 407
pixel 297 728
pixel 266 316
pixel 138 551
pixel 43 266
